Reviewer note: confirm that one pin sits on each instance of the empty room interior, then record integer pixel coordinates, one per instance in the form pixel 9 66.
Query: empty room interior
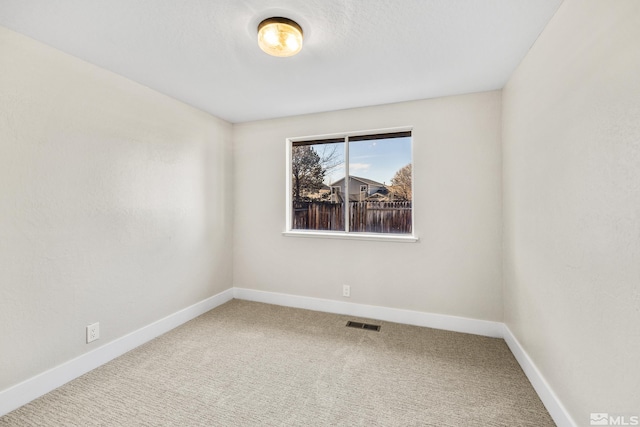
pixel 327 212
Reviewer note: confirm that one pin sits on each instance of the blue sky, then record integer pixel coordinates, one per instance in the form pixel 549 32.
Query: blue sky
pixel 377 159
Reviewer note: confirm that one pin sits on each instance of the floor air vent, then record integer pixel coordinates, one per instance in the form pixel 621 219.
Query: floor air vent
pixel 359 325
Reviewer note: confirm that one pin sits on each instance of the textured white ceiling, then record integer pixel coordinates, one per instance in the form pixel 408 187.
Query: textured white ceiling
pixel 356 52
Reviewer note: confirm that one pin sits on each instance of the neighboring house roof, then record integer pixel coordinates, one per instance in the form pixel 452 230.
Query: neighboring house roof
pixel 357 178
pixel 378 196
pixel 354 197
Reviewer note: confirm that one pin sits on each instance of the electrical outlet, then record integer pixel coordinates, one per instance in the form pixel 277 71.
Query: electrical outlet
pixel 93 332
pixel 346 291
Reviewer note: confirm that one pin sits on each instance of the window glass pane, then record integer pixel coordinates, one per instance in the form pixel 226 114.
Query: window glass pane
pixel 380 187
pixel 317 202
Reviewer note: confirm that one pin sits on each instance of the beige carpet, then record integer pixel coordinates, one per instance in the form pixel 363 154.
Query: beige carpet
pixel 251 364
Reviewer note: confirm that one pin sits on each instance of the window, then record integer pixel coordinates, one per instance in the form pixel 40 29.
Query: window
pixel 355 184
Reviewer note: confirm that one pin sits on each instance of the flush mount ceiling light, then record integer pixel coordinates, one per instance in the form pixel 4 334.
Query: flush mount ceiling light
pixel 280 37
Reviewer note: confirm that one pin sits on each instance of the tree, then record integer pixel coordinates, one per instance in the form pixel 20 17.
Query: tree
pixel 331 156
pixel 307 172
pixel 401 183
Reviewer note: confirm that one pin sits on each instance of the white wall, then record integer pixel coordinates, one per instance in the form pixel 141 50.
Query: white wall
pixel 115 206
pixel 454 269
pixel 572 206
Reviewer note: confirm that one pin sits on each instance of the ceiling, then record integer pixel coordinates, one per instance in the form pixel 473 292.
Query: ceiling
pixel 356 52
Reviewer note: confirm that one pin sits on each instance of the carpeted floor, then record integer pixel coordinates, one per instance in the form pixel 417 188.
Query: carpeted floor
pixel 252 364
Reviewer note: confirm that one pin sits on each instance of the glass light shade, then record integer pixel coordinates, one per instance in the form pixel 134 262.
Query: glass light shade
pixel 280 37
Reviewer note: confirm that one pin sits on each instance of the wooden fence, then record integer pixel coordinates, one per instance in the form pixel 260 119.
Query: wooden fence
pixel 365 217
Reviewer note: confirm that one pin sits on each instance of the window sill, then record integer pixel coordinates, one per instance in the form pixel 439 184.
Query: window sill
pixel 352 236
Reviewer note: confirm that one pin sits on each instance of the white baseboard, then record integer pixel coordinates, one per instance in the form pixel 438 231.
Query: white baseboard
pixel 26 391
pixel 396 315
pixel 555 407
pixel 21 394
pixel 438 321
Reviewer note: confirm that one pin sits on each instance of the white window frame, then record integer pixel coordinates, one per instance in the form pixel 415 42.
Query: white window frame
pixel 387 237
